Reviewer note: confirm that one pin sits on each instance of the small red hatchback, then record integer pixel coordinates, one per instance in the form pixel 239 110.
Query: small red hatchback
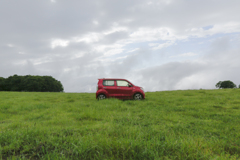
pixel 118 88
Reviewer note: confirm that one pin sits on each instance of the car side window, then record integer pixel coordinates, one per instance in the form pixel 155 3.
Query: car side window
pixel 122 83
pixel 108 82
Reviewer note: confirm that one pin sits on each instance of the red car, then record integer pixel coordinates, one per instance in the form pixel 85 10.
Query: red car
pixel 118 88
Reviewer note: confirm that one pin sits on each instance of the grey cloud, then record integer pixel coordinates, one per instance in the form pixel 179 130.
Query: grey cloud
pixel 221 63
pixel 166 76
pixel 131 63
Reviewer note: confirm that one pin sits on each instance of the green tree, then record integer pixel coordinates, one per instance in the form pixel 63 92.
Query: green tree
pixel 31 84
pixel 51 85
pixel 225 84
pixel 14 83
pixel 2 84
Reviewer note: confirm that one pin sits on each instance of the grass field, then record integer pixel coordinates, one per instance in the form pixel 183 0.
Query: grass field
pixel 191 124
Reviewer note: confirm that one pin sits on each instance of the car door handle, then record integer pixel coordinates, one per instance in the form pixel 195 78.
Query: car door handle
pixel 119 88
pixel 104 87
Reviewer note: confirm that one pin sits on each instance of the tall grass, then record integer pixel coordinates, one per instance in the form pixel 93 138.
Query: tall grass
pixel 192 124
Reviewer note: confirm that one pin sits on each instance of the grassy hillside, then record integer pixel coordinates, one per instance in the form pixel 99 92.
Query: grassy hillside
pixel 192 124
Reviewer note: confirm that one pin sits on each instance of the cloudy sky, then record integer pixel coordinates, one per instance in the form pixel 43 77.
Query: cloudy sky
pixel 157 44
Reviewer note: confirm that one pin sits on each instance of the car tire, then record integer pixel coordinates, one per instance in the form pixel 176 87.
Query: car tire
pixel 138 96
pixel 101 97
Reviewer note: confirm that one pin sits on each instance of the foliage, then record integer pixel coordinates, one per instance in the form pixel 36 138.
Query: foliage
pixel 30 83
pixel 2 82
pixel 200 124
pixel 225 84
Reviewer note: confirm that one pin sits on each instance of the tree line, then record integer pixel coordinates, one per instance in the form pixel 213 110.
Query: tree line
pixel 30 83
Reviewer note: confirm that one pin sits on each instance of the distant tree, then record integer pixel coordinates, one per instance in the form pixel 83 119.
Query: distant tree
pixel 225 84
pixel 239 86
pixel 14 83
pixel 2 84
pixel 30 84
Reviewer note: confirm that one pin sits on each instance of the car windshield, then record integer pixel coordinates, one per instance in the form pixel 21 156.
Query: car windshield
pixel 131 83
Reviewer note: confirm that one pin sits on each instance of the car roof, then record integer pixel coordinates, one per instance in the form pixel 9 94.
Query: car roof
pixel 112 79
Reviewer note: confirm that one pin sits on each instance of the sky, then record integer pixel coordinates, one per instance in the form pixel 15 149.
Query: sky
pixel 156 44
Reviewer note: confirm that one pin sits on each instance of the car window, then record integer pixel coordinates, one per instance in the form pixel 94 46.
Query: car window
pixel 122 83
pixel 108 82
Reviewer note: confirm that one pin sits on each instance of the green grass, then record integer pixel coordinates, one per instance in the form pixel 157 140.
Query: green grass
pixel 191 124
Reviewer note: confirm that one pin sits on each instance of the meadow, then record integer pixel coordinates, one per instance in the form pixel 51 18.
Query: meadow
pixel 189 124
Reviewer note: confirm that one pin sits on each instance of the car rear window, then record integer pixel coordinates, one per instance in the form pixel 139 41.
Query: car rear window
pixel 108 82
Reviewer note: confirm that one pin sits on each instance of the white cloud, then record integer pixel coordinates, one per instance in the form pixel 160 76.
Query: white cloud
pixel 93 37
pixel 156 46
pixel 115 29
pixel 21 52
pixel 113 51
pixel 59 43
pixel 154 34
pixel 188 54
pixel 95 22
pixel 89 38
pixel 109 50
pixel 10 45
pixel 133 50
pixel 230 27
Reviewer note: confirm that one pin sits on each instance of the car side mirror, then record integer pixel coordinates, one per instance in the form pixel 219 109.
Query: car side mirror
pixel 129 85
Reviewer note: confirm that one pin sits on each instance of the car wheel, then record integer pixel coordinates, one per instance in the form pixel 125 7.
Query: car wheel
pixel 137 96
pixel 101 96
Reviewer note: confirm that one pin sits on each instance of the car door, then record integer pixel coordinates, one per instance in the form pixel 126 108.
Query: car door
pixel 110 87
pixel 123 89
